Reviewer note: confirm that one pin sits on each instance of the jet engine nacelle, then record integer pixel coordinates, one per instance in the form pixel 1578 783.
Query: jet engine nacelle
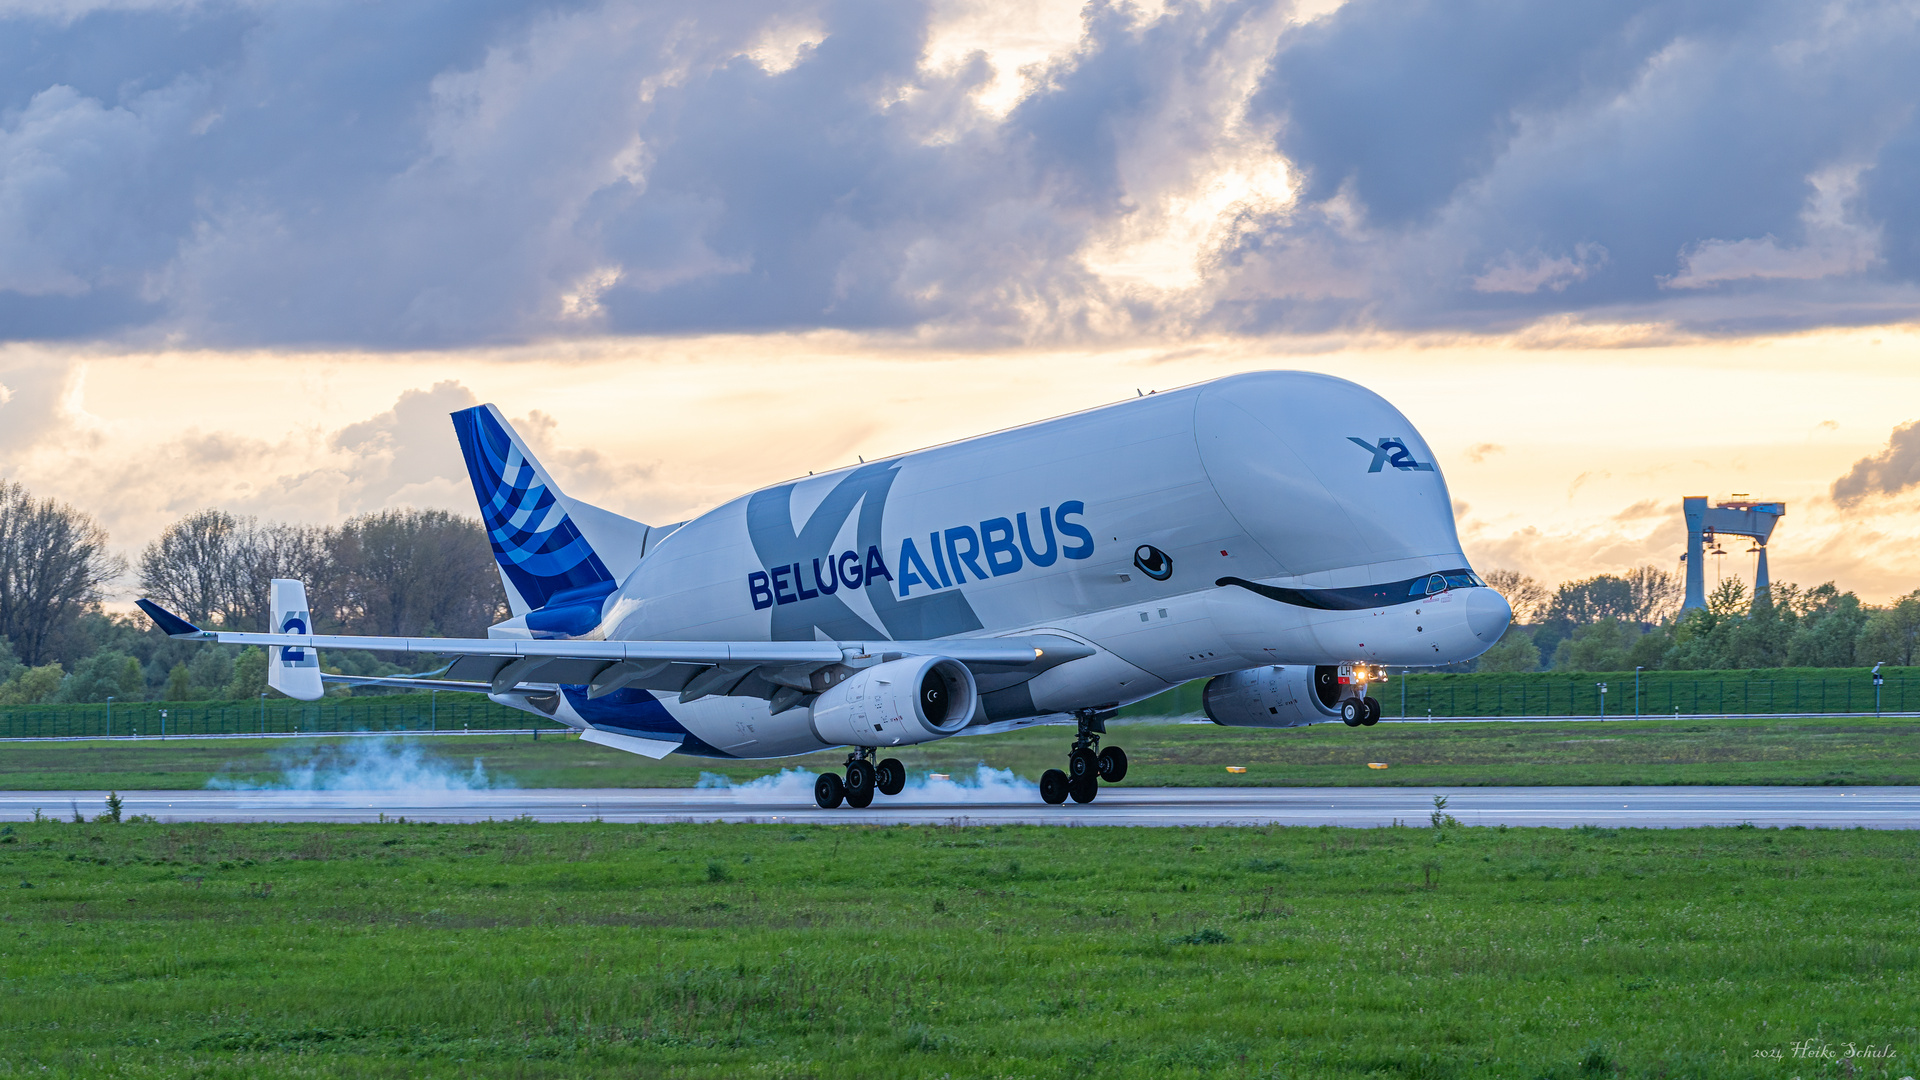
pixel 915 700
pixel 1273 697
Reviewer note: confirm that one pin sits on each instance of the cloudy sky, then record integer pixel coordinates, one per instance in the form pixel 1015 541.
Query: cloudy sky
pixel 1604 254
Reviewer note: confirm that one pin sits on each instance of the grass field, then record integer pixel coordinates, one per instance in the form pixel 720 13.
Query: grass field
pixel 523 950
pixel 1710 751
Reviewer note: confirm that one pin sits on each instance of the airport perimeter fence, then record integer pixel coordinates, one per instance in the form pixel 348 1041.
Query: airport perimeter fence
pixel 1660 694
pixel 397 713
pixel 1414 697
pixel 1690 697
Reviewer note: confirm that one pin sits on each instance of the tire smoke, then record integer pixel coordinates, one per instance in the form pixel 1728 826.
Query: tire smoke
pixel 365 765
pixel 983 785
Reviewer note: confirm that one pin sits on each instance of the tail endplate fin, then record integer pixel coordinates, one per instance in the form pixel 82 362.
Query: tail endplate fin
pixel 292 670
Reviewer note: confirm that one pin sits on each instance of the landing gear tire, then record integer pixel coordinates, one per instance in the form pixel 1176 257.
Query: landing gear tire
pixel 1083 762
pixel 890 776
pixel 829 792
pixel 860 784
pixel 1372 716
pixel 1084 788
pixel 1053 787
pixel 1113 764
pixel 1352 713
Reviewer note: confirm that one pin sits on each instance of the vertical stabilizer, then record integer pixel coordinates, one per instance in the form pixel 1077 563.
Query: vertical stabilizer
pixel 550 547
pixel 293 671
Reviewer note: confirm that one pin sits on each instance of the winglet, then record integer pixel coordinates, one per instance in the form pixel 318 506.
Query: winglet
pixel 170 624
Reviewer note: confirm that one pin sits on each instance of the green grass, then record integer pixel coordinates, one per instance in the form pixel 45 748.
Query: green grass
pixel 1850 751
pixel 524 950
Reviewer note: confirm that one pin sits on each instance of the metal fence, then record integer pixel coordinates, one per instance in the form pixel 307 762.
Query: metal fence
pixel 1691 697
pixel 413 712
pixel 1403 697
pixel 1660 694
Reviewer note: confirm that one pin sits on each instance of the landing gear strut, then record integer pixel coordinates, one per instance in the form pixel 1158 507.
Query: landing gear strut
pixel 863 778
pixel 1087 764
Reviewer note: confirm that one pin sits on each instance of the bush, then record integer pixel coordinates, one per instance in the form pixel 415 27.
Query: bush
pixel 111 674
pixel 1515 652
pixel 32 686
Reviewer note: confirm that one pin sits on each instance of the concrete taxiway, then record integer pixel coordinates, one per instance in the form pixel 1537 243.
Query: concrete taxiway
pixel 1635 807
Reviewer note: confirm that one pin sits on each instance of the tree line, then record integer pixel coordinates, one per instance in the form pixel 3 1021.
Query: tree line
pixel 401 572
pixel 1619 622
pixel 412 572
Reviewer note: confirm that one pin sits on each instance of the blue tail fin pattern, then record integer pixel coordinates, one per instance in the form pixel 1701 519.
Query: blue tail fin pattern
pixel 539 548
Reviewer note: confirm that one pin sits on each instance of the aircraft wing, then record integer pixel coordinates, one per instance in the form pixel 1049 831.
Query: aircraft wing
pixel 784 672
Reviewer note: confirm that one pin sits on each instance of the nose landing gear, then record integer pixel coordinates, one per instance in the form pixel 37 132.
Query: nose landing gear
pixel 1360 711
pixel 1087 764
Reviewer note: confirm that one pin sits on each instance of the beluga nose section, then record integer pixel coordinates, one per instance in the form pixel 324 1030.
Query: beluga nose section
pixel 1328 477
pixel 1488 614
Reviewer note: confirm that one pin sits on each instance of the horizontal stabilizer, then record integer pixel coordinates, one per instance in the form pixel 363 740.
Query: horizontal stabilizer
pixel 170 624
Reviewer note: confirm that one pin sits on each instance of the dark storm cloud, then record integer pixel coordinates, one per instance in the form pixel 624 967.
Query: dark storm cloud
pixel 453 173
pixel 1889 472
pixel 1645 158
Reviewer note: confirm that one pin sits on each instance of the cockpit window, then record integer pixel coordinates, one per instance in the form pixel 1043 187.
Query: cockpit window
pixel 1437 583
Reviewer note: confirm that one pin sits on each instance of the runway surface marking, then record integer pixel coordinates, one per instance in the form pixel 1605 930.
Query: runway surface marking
pixel 1635 807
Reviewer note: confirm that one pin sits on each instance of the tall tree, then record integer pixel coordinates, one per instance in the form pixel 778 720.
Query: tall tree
pixel 1526 596
pixel 275 550
pixel 409 572
pixel 1585 602
pixel 54 563
pixel 188 568
pixel 212 566
pixel 1830 623
pixel 1655 594
pixel 1891 634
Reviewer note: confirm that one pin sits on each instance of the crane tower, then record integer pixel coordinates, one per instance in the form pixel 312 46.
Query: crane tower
pixel 1739 516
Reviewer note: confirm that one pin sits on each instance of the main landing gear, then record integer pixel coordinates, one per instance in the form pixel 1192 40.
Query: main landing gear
pixel 1360 711
pixel 863 777
pixel 1087 765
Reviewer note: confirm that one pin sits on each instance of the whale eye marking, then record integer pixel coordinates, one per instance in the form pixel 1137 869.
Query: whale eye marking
pixel 1153 562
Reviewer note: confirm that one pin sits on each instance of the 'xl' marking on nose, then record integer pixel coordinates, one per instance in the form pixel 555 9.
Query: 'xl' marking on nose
pixel 1390 451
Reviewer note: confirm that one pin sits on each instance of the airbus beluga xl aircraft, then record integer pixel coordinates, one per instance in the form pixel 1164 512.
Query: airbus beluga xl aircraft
pixel 1281 533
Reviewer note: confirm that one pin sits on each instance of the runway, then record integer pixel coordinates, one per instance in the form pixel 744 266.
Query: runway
pixel 1627 807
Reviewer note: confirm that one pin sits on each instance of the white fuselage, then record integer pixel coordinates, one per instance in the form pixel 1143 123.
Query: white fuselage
pixel 1114 527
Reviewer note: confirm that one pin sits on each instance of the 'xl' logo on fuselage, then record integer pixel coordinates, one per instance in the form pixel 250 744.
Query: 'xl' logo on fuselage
pixel 1390 451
